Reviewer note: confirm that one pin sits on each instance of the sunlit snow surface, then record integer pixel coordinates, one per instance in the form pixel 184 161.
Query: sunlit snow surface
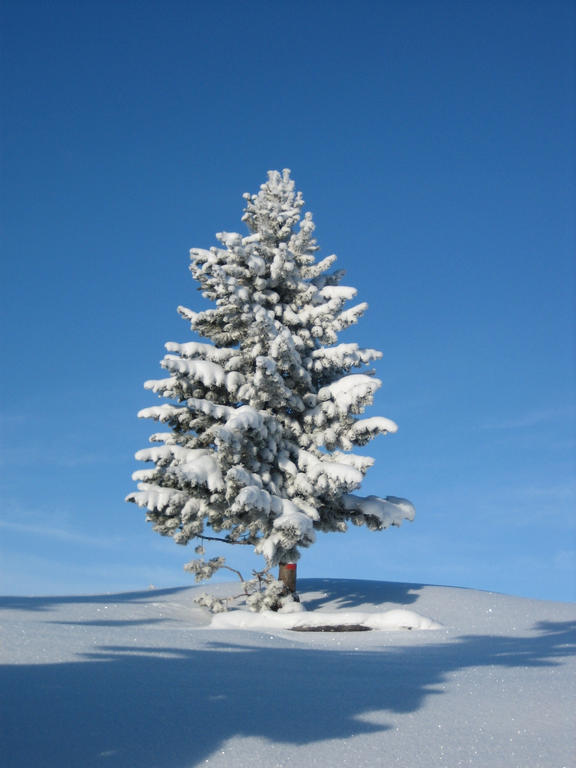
pixel 143 679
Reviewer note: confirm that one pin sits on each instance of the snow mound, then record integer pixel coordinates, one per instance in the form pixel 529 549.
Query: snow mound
pixel 398 619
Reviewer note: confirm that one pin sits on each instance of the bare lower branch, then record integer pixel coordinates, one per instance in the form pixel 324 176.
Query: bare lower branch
pixel 225 541
pixel 227 567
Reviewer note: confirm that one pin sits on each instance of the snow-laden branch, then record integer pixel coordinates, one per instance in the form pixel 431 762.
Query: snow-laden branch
pixel 388 511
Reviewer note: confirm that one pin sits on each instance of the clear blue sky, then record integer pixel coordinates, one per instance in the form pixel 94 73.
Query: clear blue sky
pixel 434 144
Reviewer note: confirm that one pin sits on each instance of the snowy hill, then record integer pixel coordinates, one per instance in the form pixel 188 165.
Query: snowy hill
pixel 143 680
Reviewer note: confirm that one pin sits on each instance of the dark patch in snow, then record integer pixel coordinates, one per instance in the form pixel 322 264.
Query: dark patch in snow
pixel 334 628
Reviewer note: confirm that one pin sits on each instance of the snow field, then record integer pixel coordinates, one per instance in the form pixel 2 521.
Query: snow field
pixel 147 679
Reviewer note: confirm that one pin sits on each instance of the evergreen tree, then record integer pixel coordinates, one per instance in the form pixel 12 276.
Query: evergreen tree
pixel 264 419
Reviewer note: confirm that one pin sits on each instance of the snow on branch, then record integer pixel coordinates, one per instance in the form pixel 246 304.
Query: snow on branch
pixel 341 292
pixel 341 357
pixel 350 393
pixel 195 349
pixel 318 269
pixel 350 316
pixel 165 413
pixel 193 466
pixel 388 511
pixel 345 475
pixel 365 429
pixel 209 374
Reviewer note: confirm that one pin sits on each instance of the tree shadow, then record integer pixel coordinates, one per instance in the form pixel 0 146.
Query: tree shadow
pixel 351 593
pixel 124 706
pixel 112 622
pixel 50 603
pixel 347 594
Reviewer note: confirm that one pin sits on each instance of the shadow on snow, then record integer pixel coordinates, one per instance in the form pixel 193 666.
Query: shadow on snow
pixel 357 592
pixel 50 603
pixel 135 706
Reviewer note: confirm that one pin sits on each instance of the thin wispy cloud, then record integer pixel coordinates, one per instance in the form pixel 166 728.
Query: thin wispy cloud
pixel 8 418
pixel 53 456
pixel 61 534
pixel 530 419
pixel 20 571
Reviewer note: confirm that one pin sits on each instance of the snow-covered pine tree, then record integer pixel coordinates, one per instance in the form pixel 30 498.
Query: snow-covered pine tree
pixel 264 418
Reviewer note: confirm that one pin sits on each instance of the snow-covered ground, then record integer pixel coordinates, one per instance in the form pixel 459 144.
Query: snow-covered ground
pixel 142 680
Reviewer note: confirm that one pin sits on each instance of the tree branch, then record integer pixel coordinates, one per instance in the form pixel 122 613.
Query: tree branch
pixel 225 541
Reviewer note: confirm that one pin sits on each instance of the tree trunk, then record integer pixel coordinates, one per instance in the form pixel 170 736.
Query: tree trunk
pixel 287 574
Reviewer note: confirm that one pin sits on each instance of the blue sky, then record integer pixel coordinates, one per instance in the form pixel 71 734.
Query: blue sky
pixel 433 143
